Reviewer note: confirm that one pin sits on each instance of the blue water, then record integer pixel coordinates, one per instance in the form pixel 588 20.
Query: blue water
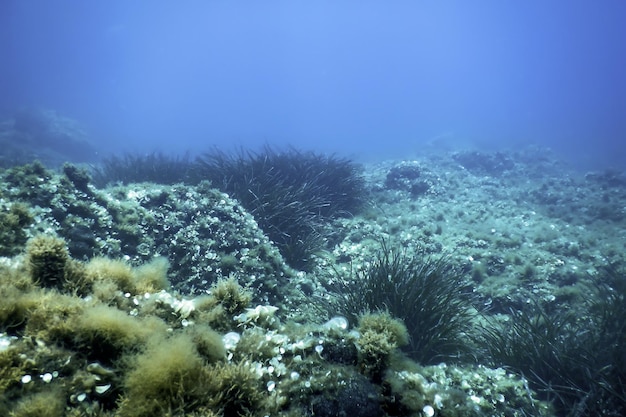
pixel 363 78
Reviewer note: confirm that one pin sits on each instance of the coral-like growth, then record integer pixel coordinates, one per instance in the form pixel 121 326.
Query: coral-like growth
pixel 444 390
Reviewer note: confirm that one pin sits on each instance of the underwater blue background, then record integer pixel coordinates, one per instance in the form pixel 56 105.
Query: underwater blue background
pixel 368 79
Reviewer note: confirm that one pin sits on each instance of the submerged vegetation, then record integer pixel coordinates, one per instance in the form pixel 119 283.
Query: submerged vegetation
pixel 574 358
pixel 293 195
pixel 173 300
pixel 427 293
pixel 12 224
pixel 153 167
pixel 137 349
pixel 129 350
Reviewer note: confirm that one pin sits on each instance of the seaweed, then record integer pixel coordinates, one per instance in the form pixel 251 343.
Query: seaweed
pixel 428 293
pixel 154 167
pixel 573 358
pixel 292 194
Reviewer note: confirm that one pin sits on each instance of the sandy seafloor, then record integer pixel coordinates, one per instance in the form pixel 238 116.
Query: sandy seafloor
pixel 522 225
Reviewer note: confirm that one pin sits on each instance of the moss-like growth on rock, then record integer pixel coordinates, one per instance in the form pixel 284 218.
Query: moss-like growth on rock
pixel 12 224
pixel 171 377
pixel 79 177
pixel 50 403
pixel 16 300
pixel 167 377
pixel 374 352
pixel 394 330
pixel 112 270
pixel 381 335
pixel 52 318
pixel 75 280
pixel 27 180
pixel 15 274
pixel 50 266
pixel 105 333
pixel 10 369
pixel 104 275
pixel 231 296
pixel 152 276
pixel 227 299
pixel 234 389
pixel 15 307
pixel 208 343
pixel 47 257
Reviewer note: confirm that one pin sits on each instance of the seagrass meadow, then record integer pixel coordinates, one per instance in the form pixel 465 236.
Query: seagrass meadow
pixel 290 283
